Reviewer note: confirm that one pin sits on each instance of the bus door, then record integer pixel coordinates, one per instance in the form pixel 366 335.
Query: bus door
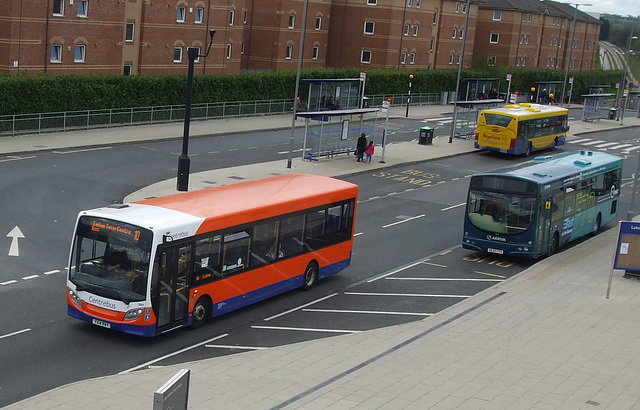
pixel 170 293
pixel 544 224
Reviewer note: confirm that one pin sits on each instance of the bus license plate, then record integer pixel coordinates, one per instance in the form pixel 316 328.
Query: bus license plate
pixel 498 251
pixel 101 323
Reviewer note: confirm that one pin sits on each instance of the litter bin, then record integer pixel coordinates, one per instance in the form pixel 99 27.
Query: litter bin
pixel 612 114
pixel 365 102
pixel 426 136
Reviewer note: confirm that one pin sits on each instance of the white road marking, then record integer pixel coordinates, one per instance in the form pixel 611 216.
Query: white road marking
pixel 236 347
pixel 374 312
pixel 305 329
pixel 448 279
pixel 420 295
pixel 403 221
pixel 81 150
pixel 300 307
pixel 14 333
pixel 453 206
pixel 30 277
pixel 15 234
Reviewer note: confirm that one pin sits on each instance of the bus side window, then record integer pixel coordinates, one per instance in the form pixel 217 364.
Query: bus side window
pixel 264 247
pixel 558 204
pixel 207 259
pixel 291 230
pixel 235 254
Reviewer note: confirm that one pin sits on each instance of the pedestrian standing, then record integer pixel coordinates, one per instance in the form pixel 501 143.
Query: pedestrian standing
pixel 368 152
pixel 361 145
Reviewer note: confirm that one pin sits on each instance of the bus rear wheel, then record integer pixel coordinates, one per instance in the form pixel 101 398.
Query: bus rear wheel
pixel 310 276
pixel 201 313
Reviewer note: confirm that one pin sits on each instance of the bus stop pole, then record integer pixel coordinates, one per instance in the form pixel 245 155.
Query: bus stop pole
pixel 386 127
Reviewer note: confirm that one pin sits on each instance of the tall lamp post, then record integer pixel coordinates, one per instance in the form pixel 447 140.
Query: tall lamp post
pixel 409 95
pixel 455 103
pixel 623 83
pixel 297 88
pixel 183 160
pixel 568 61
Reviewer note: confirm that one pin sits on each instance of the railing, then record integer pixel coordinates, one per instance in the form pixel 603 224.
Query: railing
pixel 118 117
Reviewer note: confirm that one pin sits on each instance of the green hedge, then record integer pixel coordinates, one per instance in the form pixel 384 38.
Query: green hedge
pixel 24 94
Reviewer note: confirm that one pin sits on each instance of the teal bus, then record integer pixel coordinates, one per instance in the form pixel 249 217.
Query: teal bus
pixel 535 208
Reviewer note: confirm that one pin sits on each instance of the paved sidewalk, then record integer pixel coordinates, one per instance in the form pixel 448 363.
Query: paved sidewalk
pixel 545 339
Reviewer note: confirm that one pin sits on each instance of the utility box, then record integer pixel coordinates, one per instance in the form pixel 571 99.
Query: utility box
pixel 612 113
pixel 426 136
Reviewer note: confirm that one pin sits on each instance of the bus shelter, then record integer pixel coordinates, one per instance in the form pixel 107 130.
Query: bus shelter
pixel 329 133
pixel 482 88
pixel 546 89
pixel 596 106
pixel 333 94
pixel 467 113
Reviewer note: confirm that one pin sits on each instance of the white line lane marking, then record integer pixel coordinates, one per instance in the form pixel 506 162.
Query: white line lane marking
pixel 421 295
pixel 449 279
pixel 593 142
pixel 237 347
pixel 453 206
pixel 51 272
pixel 14 333
pixel 80 150
pixel 16 158
pixel 374 312
pixel 358 234
pixel 305 329
pixel 394 271
pixel 608 144
pixel 578 141
pixel 404 220
pixel 30 277
pixel 300 307
pixel 143 365
pixel 9 282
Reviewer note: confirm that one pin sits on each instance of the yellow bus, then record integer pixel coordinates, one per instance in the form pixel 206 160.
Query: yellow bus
pixel 521 129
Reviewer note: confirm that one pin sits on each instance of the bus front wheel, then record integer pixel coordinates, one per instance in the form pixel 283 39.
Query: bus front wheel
pixel 310 276
pixel 555 244
pixel 201 312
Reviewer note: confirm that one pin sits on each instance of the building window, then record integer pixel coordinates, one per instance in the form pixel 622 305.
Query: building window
pixel 451 58
pixel 318 23
pixel 365 56
pixel 289 52
pixel 56 53
pixel 412 58
pixel 526 40
pixel 199 16
pixel 79 55
pixel 457 7
pixel 316 52
pixel 497 15
pixel 369 27
pixel 244 19
pixel 415 30
pixel 493 39
pixel 589 44
pixel 409 3
pixel 242 48
pixel 403 58
pixel 407 28
pixel 435 17
pixel 418 3
pixel 491 61
pixel 197 60
pixel 177 54
pixel 372 2
pixel 433 41
pixel 182 11
pixel 464 8
pixel 455 32
pixel 524 61
pixel 292 20
pixel 461 33
pixel 82 8
pixel 58 7
pixel 232 16
pixel 229 49
pixel 129 32
pixel 127 70
pixel 458 57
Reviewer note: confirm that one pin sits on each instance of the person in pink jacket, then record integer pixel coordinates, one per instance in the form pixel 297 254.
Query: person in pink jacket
pixel 368 152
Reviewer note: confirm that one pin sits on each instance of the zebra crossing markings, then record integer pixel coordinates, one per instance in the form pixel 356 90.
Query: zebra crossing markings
pixel 626 148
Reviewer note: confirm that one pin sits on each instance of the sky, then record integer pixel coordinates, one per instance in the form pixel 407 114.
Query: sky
pixel 619 7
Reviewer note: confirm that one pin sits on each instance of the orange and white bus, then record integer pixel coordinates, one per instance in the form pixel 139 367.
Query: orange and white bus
pixel 159 264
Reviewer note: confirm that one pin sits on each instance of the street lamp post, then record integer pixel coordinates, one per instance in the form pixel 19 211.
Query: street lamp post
pixel 184 161
pixel 568 61
pixel 623 83
pixel 409 95
pixel 455 103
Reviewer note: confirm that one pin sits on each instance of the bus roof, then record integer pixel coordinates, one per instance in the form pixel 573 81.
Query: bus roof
pixel 524 110
pixel 254 200
pixel 547 169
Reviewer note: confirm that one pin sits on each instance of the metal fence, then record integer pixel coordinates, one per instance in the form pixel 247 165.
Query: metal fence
pixel 117 117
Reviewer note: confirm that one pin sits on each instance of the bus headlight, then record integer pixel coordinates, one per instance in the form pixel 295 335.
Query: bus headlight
pixel 75 298
pixel 133 314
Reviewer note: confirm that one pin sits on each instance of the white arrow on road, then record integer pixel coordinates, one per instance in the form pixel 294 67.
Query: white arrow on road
pixel 15 234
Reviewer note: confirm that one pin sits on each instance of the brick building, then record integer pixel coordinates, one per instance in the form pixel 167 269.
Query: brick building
pixel 145 37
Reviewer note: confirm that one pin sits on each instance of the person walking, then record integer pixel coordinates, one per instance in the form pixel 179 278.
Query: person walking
pixel 368 152
pixel 361 145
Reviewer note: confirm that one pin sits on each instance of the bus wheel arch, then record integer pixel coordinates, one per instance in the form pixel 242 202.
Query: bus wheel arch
pixel 597 224
pixel 201 312
pixel 310 277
